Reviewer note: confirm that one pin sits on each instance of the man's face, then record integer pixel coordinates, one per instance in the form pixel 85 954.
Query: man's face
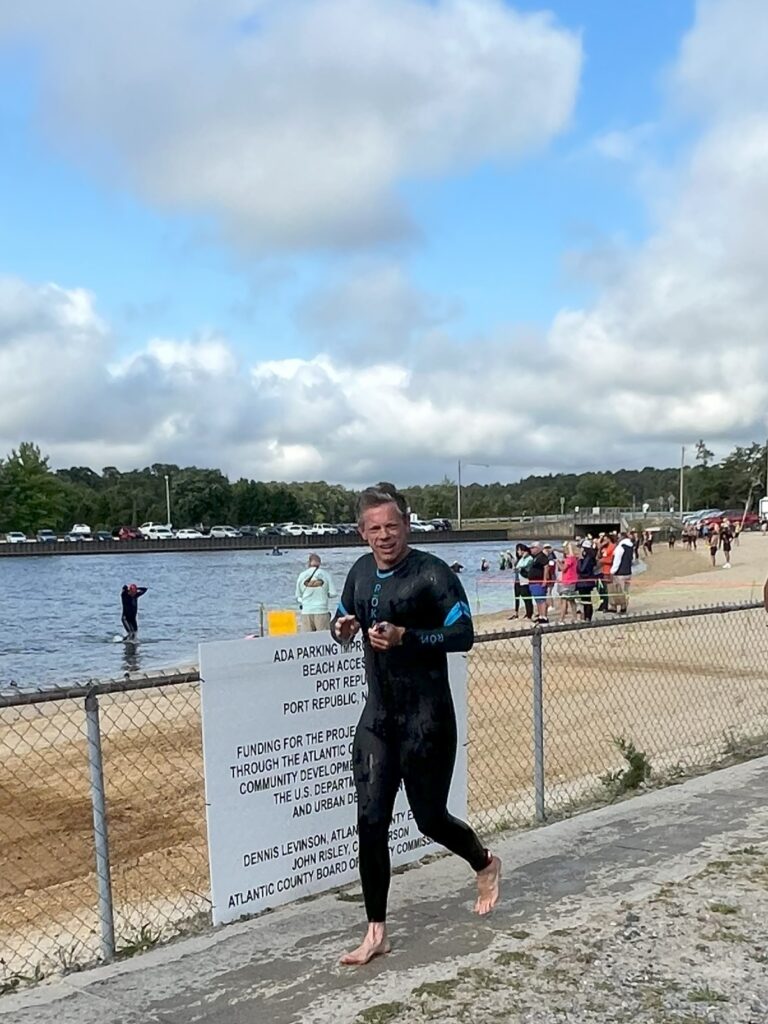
pixel 385 530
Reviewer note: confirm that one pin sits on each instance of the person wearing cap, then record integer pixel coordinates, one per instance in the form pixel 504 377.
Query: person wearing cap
pixel 129 597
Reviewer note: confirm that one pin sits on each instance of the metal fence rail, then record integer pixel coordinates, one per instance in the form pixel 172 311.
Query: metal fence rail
pixel 102 816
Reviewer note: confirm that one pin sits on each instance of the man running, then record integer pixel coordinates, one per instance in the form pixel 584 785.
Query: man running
pixel 412 610
pixel 129 596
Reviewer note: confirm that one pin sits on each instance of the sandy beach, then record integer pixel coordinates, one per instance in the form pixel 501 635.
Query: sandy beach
pixel 683 690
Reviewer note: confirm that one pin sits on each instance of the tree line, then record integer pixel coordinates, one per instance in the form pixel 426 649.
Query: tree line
pixel 33 496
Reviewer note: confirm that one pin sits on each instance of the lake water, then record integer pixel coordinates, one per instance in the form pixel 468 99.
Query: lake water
pixel 59 615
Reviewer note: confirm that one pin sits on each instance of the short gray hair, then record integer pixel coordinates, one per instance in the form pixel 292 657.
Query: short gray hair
pixel 380 494
pixel 313 559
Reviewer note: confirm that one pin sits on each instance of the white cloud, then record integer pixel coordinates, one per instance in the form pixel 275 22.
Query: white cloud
pixel 292 121
pixel 673 349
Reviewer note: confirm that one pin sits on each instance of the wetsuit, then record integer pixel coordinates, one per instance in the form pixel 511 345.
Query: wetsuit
pixel 130 609
pixel 407 730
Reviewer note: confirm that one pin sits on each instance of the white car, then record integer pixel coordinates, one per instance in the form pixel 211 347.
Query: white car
pixel 156 531
pixel 321 529
pixel 82 529
pixel 16 537
pixel 188 534
pixel 418 526
pixel 297 530
pixel 220 532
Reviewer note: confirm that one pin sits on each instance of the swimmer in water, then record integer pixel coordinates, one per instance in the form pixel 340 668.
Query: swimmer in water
pixel 129 597
pixel 411 610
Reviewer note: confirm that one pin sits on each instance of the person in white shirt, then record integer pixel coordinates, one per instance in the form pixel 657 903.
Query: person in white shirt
pixel 314 588
pixel 621 572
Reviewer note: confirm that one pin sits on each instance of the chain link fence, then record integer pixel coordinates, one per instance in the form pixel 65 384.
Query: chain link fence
pixel 103 844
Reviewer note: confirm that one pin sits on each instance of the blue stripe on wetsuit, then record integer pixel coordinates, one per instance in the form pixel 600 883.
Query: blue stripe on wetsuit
pixel 341 610
pixel 460 609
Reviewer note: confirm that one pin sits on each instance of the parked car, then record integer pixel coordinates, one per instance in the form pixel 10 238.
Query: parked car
pixel 103 535
pixel 46 537
pixel 249 531
pixel 323 529
pixel 129 533
pixel 156 531
pixel 81 528
pixel 188 533
pixel 419 526
pixel 16 537
pixel 297 530
pixel 348 529
pixel 149 530
pixel 273 531
pixel 221 532
pixel 78 538
pixel 734 515
pixel 441 524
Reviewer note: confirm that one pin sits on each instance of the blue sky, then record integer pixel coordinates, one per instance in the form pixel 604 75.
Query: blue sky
pixel 461 244
pixel 492 240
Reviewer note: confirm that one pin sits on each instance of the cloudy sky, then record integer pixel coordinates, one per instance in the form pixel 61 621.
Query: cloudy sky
pixel 355 239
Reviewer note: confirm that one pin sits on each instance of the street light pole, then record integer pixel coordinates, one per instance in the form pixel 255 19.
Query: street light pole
pixel 682 471
pixel 458 499
pixel 168 500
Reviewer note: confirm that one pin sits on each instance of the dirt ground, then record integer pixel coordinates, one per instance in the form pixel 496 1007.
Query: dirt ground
pixel 683 691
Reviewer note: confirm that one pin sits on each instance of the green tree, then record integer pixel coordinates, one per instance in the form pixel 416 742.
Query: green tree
pixel 31 496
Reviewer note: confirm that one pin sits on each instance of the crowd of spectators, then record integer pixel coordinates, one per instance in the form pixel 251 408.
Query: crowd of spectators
pixel 587 575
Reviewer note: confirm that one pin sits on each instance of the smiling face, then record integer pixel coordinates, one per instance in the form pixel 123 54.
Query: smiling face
pixel 385 529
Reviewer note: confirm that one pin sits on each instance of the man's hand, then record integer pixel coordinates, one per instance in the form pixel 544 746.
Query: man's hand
pixel 345 628
pixel 384 636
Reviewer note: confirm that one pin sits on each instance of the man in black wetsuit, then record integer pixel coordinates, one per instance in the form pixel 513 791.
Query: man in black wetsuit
pixel 412 611
pixel 129 596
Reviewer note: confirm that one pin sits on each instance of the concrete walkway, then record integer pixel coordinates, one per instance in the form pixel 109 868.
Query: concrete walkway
pixel 281 968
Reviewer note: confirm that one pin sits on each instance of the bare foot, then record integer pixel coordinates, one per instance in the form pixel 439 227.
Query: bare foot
pixel 374 944
pixel 488 887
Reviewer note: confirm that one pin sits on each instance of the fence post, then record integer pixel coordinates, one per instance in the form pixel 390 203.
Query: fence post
pixel 538 726
pixel 100 836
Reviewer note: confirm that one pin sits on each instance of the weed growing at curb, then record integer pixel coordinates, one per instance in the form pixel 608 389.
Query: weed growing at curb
pixel 381 1013
pixel 637 771
pixel 145 938
pixel 723 908
pixel 706 995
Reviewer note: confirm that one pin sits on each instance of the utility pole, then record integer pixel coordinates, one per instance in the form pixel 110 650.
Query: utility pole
pixel 168 501
pixel 682 473
pixel 458 499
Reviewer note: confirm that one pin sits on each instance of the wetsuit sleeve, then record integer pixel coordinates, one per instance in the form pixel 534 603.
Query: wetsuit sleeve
pixel 457 632
pixel 141 591
pixel 346 605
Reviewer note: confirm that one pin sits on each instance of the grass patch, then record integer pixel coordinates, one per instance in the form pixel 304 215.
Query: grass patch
pixel 705 994
pixel 10 981
pixel 723 908
pixel 142 940
pixel 382 1013
pixel 633 774
pixel 516 956
pixel 519 933
pixel 437 989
